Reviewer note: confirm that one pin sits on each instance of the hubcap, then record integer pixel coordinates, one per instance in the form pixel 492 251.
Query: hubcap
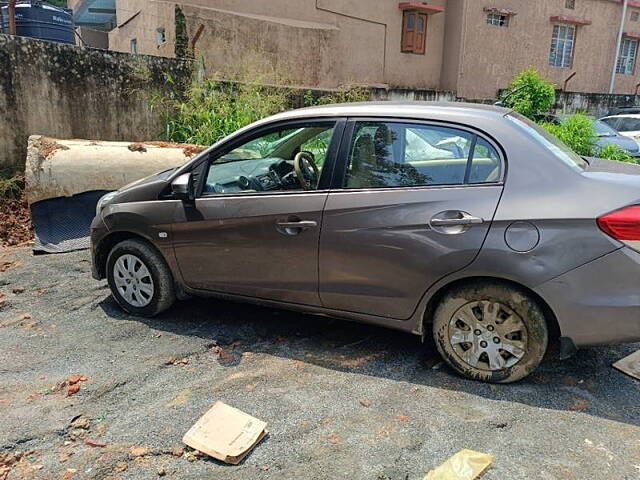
pixel 133 280
pixel 488 335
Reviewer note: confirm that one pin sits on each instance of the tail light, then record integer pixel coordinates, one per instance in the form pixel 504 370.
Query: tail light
pixel 623 225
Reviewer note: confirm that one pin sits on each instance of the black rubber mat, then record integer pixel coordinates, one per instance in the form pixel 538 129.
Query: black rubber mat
pixel 63 224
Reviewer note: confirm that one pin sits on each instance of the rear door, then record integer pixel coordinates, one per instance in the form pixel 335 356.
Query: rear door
pixel 414 203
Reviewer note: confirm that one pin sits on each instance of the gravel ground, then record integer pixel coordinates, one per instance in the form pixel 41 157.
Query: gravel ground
pixel 342 400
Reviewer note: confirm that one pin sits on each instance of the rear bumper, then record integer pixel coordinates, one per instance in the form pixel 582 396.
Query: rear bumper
pixel 599 302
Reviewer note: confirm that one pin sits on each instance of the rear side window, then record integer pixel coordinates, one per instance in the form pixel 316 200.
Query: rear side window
pixel 389 154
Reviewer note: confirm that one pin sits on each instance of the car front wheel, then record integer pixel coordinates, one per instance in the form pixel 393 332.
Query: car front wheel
pixel 139 278
pixel 490 331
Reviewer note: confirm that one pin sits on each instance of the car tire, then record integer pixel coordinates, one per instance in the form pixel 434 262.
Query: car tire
pixel 139 278
pixel 490 331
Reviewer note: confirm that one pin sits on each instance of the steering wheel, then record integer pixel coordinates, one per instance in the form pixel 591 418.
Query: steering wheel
pixel 306 169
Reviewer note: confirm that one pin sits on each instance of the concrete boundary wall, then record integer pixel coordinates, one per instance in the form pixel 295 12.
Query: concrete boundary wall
pixel 65 91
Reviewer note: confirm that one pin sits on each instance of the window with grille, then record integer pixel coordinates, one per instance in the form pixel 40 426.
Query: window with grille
pixel 562 43
pixel 414 32
pixel 498 20
pixel 635 16
pixel 571 4
pixel 627 57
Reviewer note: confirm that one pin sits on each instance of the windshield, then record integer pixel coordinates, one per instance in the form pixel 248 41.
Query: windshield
pixel 603 130
pixel 550 142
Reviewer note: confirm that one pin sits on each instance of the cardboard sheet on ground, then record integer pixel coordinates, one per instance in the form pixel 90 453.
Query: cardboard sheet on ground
pixel 630 365
pixel 464 465
pixel 226 433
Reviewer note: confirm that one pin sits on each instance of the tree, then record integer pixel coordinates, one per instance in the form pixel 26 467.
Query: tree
pixel 530 94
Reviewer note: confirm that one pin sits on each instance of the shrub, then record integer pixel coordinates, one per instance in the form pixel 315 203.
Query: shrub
pixel 614 152
pixel 576 132
pixel 530 94
pixel 211 110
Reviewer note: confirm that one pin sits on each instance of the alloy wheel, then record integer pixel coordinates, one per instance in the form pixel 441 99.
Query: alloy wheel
pixel 488 335
pixel 133 280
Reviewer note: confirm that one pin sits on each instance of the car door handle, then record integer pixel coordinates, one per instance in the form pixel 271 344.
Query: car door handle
pixel 464 219
pixel 302 224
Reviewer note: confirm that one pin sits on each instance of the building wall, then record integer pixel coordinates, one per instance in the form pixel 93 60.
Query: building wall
pixel 140 20
pixel 321 43
pixel 491 56
pixel 326 43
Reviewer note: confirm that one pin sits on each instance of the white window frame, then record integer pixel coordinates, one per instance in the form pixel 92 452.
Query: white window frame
pixel 626 63
pixel 497 20
pixel 563 42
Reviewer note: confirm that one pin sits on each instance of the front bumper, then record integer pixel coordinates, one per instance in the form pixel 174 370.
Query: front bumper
pixel 98 232
pixel 599 302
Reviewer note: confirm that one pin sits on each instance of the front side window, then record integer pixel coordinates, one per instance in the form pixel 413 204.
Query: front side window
pixel 284 159
pixel 389 154
pixel 498 20
pixel 562 44
pixel 627 57
pixel 414 32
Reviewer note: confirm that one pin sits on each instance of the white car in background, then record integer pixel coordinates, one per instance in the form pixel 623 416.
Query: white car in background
pixel 627 124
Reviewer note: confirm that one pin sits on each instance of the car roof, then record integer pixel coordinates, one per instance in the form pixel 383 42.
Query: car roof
pixel 420 110
pixel 623 115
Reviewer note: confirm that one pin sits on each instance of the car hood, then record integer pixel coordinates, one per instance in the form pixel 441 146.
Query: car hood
pixel 625 143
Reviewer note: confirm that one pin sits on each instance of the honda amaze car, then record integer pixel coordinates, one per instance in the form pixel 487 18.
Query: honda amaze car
pixel 463 222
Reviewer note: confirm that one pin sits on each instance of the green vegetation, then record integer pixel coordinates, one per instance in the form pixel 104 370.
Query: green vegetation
pixel 58 3
pixel 614 152
pixel 11 186
pixel 212 109
pixel 529 94
pixel 577 132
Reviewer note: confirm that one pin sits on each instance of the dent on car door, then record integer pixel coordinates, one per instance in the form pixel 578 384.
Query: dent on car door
pixel 416 203
pixel 254 231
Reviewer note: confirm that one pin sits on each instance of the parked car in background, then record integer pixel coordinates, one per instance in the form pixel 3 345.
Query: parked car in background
pixel 467 223
pixel 606 135
pixel 627 124
pixel 623 110
pixel 609 136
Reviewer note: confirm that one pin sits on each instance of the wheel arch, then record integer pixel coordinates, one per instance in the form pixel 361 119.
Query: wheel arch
pixel 110 241
pixel 553 325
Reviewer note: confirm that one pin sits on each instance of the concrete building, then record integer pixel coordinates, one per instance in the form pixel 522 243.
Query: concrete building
pixel 470 47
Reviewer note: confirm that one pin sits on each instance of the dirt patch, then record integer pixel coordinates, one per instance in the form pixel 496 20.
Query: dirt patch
pixel 189 149
pixel 48 147
pixel 137 147
pixel 15 221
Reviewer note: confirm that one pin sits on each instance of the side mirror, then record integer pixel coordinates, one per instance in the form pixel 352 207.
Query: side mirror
pixel 182 187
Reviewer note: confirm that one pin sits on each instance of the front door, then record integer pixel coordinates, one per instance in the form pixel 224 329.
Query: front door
pixel 255 227
pixel 416 203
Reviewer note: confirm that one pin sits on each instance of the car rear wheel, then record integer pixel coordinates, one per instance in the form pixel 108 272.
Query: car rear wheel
pixel 139 278
pixel 490 332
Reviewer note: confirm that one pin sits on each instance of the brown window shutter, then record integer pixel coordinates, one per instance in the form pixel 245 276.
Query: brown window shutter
pixel 408 32
pixel 421 34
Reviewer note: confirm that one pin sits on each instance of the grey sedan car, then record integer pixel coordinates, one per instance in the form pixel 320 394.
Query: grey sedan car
pixel 462 222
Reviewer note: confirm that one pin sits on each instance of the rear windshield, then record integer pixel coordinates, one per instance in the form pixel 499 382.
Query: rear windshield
pixel 550 142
